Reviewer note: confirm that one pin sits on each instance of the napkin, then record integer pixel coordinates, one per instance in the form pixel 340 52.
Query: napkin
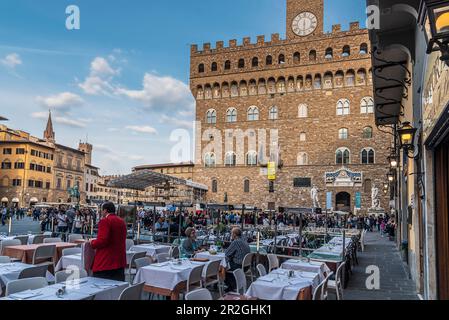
pixel 25 295
pixel 159 264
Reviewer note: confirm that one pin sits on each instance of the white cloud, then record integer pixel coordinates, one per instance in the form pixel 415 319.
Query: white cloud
pixel 175 122
pixel 99 80
pixel 142 129
pixel 11 60
pixel 162 92
pixel 75 123
pixel 62 101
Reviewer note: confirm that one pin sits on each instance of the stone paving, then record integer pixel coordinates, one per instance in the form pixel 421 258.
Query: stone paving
pixel 395 283
pixel 22 226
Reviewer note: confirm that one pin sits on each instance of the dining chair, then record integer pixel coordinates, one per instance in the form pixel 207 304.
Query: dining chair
pixel 129 244
pixel 52 240
pixel 71 251
pixel 38 239
pixel 142 262
pixel 240 280
pixel 261 270
pixel 23 239
pixel 195 279
pixel 132 270
pixel 5 259
pixel 162 257
pixel 321 292
pixel 199 295
pixel 337 284
pixel 132 293
pixel 34 272
pixel 212 276
pixel 62 276
pixel 21 285
pixel 45 255
pixel 73 237
pixel 273 262
pixel 247 265
pixel 9 243
pixel 174 252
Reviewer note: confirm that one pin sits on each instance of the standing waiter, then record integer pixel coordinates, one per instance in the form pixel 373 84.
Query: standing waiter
pixel 110 245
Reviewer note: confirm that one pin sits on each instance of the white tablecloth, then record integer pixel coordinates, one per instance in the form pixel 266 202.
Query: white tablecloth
pixel 166 275
pixel 334 247
pixel 11 271
pixel 66 261
pixel 218 256
pixel 304 266
pixel 151 249
pixel 277 285
pixel 101 288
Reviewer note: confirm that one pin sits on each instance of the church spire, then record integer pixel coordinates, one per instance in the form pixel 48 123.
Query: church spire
pixel 49 134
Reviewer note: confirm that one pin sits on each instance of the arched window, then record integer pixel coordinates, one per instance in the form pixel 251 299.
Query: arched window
pixel 241 63
pixel 201 68
pixel 303 159
pixel 253 114
pixel 368 156
pixel 227 65
pixel 343 107
pixel 251 158
pixel 273 113
pixel 368 185
pixel 246 185
pixel 255 62
pixel 214 186
pixel 343 156
pixel 329 54
pixel 281 59
pixel 367 105
pixel 269 61
pixel 296 57
pixel 312 55
pixel 317 82
pixel 363 48
pixel 214 66
pixel 231 115
pixel 302 111
pixel 211 116
pixel 230 159
pixel 350 78
pixel 209 160
pixel 302 136
pixel 328 80
pixel 343 134
pixel 368 133
pixel 346 51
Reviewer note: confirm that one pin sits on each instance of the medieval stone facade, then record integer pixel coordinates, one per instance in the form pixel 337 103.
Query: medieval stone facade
pixel 304 102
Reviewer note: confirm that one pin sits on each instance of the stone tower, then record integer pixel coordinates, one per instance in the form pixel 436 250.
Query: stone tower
pixel 304 18
pixel 87 149
pixel 49 134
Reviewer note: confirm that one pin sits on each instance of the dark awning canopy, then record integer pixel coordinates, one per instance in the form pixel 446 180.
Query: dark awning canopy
pixel 141 180
pixel 393 50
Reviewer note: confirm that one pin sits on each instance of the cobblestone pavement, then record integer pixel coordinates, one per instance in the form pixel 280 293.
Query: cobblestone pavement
pixel 20 227
pixel 395 283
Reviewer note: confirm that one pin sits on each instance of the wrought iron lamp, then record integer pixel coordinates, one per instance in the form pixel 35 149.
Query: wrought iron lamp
pixel 407 135
pixel 435 20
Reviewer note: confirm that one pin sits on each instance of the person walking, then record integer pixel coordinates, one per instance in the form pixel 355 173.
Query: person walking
pixel 110 257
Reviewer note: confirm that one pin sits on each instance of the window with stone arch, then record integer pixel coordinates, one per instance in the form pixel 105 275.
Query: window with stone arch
pixel 303 111
pixel 227 65
pixel 363 49
pixel 343 156
pixel 368 156
pixel 211 116
pixel 214 186
pixel 343 134
pixel 303 159
pixel 253 113
pixel 274 115
pixel 214 67
pixel 296 57
pixel 230 159
pixel 231 115
pixel 367 105
pixel 312 55
pixel 251 158
pixel 246 186
pixel 346 51
pixel 302 137
pixel 201 68
pixel 209 160
pixel 367 133
pixel 269 60
pixel 343 107
pixel 281 59
pixel 255 62
pixel 241 63
pixel 329 54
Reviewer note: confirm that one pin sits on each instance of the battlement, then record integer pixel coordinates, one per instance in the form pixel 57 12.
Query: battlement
pixel 275 39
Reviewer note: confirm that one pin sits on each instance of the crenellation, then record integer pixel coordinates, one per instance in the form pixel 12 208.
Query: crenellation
pixel 275 38
pixel 219 45
pixel 246 41
pixel 206 47
pixel 233 43
pixel 336 28
pixel 354 26
pixel 260 40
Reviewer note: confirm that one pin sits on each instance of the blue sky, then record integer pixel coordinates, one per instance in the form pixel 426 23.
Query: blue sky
pixel 122 79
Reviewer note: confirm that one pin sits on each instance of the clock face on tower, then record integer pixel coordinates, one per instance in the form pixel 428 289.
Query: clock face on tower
pixel 304 24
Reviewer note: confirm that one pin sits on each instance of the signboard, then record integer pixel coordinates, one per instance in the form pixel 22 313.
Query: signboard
pixel 302 183
pixel 329 200
pixel 358 200
pixel 271 171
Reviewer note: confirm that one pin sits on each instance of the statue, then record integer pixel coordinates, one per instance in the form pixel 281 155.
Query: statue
pixel 375 197
pixel 314 195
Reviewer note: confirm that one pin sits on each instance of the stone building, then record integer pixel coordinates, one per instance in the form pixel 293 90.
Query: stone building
pixel 304 102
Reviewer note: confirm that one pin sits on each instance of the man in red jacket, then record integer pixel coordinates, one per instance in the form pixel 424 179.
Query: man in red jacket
pixel 110 246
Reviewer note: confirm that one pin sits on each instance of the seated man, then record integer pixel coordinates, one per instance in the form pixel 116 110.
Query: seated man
pixel 235 254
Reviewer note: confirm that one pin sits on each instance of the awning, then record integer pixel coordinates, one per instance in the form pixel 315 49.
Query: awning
pixel 5 199
pixel 34 200
pixel 393 51
pixel 141 180
pixel 15 200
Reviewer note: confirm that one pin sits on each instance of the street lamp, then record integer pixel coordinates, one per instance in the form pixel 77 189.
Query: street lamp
pixel 435 20
pixel 392 159
pixel 407 135
pixel 390 176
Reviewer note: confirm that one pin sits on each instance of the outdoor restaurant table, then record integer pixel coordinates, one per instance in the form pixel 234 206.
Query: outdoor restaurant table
pixel 166 279
pixel 313 266
pixel 25 252
pixel 331 253
pixel 213 257
pixel 278 286
pixel 151 249
pixel 72 260
pixel 236 297
pixel 102 289
pixel 11 271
